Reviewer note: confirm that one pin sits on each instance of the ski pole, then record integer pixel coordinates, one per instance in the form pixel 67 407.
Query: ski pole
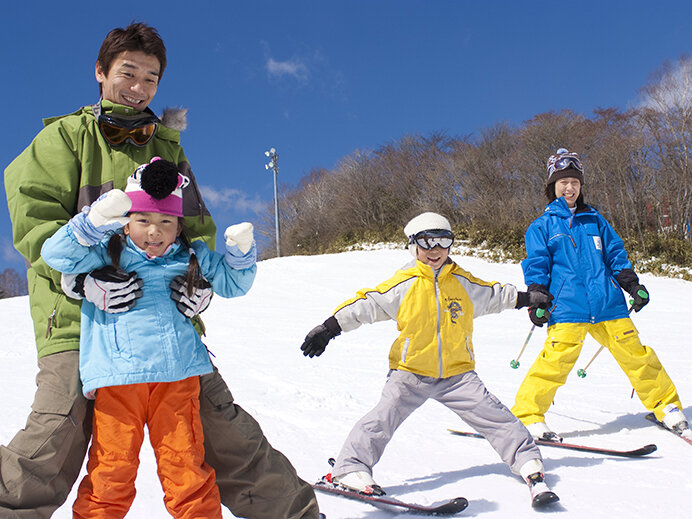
pixel 514 364
pixel 581 373
pixel 540 312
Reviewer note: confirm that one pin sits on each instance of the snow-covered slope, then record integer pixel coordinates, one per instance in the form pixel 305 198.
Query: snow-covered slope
pixel 307 406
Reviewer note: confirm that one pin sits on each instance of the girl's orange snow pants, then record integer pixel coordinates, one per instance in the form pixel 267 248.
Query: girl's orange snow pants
pixel 171 412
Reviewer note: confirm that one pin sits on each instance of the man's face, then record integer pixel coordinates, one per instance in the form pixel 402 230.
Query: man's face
pixel 132 79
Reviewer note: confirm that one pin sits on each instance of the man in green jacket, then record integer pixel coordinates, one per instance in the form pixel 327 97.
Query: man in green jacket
pixel 69 164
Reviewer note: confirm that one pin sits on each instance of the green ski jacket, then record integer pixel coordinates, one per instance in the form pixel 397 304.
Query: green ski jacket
pixel 67 166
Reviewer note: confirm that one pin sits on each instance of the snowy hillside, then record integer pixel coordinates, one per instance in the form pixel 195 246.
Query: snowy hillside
pixel 307 406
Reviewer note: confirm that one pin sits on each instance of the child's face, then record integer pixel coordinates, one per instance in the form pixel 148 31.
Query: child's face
pixel 435 257
pixel 153 232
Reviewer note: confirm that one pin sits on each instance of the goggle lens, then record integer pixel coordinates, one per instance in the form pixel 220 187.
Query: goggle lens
pixel 117 135
pixel 566 162
pixel 429 240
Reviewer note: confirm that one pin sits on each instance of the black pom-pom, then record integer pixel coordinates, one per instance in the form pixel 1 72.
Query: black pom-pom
pixel 159 179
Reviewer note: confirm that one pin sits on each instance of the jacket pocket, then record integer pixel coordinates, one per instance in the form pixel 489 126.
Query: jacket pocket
pixel 50 425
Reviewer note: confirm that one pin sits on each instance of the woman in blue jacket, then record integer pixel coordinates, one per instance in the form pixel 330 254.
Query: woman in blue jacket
pixel 573 253
pixel 142 366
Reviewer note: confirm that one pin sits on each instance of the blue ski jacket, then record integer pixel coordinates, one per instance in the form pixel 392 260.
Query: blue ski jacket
pixel 152 342
pixel 577 259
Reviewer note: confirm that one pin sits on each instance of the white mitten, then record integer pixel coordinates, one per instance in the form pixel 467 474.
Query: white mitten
pixel 240 234
pixel 241 252
pixel 106 214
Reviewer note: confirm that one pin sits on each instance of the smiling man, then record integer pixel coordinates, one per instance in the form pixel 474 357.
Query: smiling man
pixel 70 163
pixel 132 79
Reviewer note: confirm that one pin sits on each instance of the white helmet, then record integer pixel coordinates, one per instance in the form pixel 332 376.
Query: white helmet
pixel 424 222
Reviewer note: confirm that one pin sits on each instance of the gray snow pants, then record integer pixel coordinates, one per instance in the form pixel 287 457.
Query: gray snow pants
pixel 42 462
pixel 464 394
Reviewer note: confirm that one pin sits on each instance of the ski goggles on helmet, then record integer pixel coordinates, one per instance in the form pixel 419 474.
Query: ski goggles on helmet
pixel 434 238
pixel 136 129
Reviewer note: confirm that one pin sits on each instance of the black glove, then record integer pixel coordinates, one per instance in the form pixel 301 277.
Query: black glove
pixel 640 297
pixel 191 305
pixel 629 281
pixel 316 340
pixel 111 289
pixel 537 296
pixel 539 316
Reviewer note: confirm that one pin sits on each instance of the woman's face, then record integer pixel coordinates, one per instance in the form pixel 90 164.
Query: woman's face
pixel 569 187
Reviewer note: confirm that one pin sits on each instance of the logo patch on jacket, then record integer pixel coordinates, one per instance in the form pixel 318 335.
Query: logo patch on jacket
pixel 454 309
pixel 597 242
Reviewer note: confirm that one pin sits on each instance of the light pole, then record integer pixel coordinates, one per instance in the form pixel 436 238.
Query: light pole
pixel 274 166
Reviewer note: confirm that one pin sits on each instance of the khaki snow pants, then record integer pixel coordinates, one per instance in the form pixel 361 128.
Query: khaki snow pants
pixel 42 462
pixel 561 350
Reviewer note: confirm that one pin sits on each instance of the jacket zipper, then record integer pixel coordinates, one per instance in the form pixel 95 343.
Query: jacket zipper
pixel 50 322
pixel 439 335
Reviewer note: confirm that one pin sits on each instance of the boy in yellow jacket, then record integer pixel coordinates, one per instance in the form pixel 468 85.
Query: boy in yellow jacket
pixel 433 302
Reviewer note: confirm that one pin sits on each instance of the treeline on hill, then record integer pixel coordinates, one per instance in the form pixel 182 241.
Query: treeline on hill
pixel 637 174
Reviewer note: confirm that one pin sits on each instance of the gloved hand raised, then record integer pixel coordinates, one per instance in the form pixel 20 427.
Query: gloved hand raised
pixel 317 338
pixel 241 251
pixel 111 290
pixel 191 305
pixel 105 215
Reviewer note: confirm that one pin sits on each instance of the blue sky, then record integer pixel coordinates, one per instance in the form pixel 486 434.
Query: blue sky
pixel 319 79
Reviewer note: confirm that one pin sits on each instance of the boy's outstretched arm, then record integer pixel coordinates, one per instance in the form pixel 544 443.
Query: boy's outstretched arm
pixel 317 338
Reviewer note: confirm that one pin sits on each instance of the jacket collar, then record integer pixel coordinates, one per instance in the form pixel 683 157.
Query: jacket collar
pixel 558 207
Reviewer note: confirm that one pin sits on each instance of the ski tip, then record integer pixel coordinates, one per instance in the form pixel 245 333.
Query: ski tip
pixel 451 507
pixel 544 499
pixel 648 449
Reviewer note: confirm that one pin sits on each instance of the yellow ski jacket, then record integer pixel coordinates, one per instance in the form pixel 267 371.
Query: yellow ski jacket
pixel 434 314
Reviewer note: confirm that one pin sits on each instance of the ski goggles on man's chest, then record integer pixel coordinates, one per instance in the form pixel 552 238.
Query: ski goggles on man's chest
pixel 136 129
pixel 430 239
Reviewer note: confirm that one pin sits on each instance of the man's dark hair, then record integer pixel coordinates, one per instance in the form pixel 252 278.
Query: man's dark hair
pixel 134 37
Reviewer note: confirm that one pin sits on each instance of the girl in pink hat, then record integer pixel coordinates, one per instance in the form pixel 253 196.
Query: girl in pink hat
pixel 142 365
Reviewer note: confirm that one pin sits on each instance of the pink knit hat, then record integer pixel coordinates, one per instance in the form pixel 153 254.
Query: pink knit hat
pixel 157 187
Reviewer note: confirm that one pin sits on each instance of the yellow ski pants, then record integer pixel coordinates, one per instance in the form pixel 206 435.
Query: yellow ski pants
pixel 561 350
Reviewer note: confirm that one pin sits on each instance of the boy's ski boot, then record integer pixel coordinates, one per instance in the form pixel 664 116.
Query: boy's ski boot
pixel 359 481
pixel 541 495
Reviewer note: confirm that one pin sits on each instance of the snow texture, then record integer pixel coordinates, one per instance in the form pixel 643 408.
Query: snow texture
pixel 307 406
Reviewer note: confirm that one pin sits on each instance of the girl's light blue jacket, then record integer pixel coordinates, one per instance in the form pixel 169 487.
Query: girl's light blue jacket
pixel 577 259
pixel 152 342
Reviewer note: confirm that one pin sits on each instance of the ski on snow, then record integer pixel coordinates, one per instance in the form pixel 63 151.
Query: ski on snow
pixel 634 453
pixel 652 418
pixel 451 507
